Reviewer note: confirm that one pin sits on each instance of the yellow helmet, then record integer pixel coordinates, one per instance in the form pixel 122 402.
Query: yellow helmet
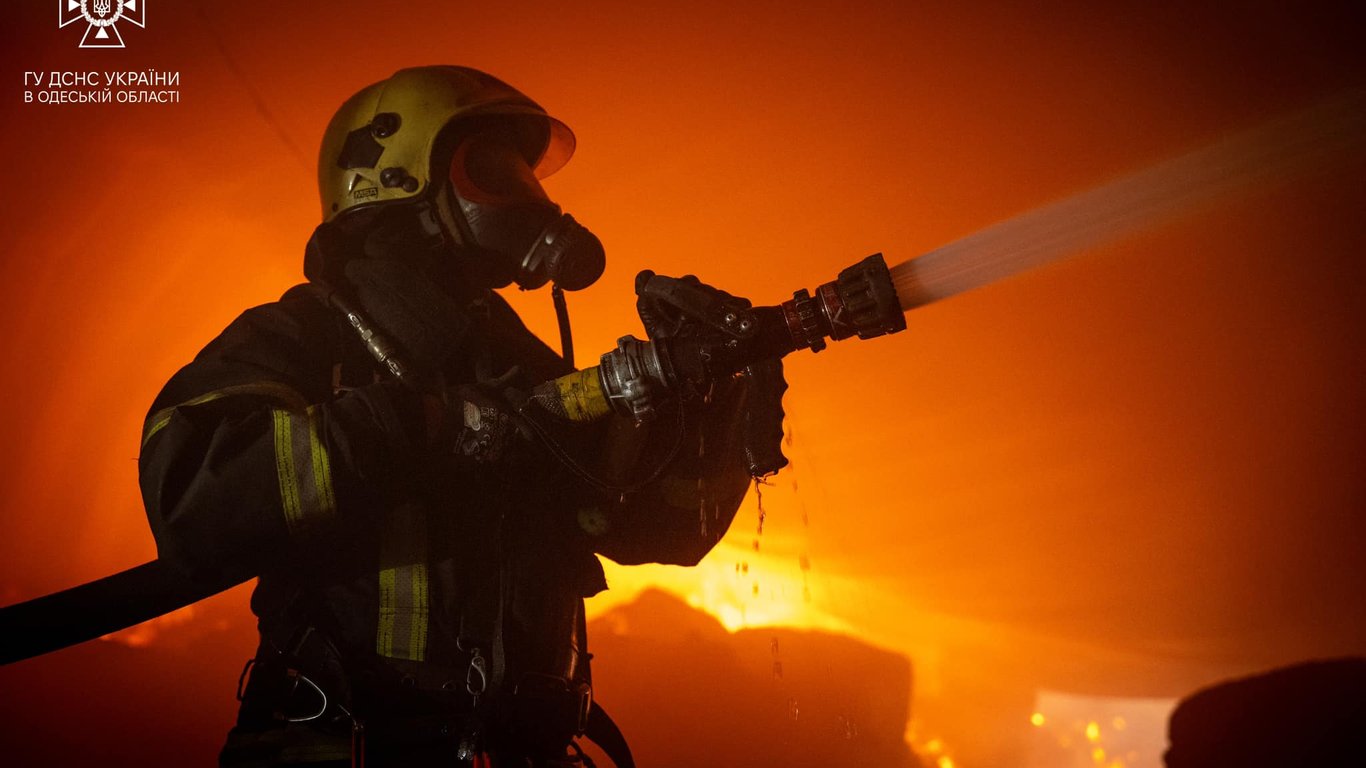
pixel 379 146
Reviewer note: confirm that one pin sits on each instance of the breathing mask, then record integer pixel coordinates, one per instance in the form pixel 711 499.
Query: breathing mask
pixel 497 206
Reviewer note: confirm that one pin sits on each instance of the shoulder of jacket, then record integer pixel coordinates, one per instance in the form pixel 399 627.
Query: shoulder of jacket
pixel 300 315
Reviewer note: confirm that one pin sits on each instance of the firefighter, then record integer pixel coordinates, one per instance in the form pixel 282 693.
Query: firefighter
pixel 424 546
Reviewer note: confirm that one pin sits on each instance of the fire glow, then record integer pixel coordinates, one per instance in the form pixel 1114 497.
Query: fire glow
pixel 1123 474
pixel 760 575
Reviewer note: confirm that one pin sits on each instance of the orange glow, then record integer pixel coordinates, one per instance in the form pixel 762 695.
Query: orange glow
pixel 1125 475
pixel 740 586
pixel 146 633
pixel 1093 732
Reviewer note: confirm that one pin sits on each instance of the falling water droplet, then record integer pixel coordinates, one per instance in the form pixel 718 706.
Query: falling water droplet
pixel 849 727
pixel 792 710
pixel 759 498
pixel 804 562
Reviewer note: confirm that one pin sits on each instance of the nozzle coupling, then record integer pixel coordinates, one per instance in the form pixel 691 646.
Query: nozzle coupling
pixel 861 301
pixel 635 375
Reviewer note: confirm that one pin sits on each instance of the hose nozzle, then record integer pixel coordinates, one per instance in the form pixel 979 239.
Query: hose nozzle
pixel 635 376
pixel 860 302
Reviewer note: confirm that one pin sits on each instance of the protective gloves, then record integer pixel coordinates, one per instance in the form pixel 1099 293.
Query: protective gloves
pixel 663 320
pixel 480 426
pixel 762 413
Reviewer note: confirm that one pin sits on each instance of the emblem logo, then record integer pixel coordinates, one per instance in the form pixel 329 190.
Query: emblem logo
pixel 101 18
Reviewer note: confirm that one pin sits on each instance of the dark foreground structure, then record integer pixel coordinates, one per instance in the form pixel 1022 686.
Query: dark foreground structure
pixel 1312 714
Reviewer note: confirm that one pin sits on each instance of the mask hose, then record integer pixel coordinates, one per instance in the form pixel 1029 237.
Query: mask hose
pixel 562 317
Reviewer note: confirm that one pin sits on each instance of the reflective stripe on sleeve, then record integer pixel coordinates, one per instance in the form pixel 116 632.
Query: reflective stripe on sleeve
pixel 403 584
pixel 303 468
pixel 278 393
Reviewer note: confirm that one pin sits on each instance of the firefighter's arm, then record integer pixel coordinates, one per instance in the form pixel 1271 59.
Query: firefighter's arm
pixel 246 453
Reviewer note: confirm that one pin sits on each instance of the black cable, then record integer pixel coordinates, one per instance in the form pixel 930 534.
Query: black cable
pixel 563 456
pixel 562 317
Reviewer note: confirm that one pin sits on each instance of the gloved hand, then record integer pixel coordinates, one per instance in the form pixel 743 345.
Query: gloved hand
pixel 762 413
pixel 663 320
pixel 763 418
pixel 409 308
pixel 488 429
pixel 481 426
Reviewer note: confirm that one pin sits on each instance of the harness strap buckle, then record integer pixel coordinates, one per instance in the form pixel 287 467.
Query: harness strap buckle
pixel 477 676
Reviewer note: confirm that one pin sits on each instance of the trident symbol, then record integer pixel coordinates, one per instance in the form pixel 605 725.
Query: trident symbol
pixel 101 19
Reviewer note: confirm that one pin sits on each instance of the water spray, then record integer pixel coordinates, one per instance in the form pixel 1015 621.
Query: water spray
pixel 867 299
pixel 1331 132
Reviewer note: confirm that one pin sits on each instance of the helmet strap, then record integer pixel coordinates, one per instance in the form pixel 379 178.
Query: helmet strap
pixel 495 270
pixel 451 220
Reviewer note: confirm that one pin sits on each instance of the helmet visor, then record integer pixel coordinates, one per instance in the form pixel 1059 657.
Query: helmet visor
pixel 487 168
pixel 558 149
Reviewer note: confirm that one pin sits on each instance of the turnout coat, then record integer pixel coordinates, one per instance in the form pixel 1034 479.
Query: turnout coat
pixel 407 583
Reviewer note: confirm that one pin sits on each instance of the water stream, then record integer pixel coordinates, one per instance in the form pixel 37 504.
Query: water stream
pixel 1333 132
